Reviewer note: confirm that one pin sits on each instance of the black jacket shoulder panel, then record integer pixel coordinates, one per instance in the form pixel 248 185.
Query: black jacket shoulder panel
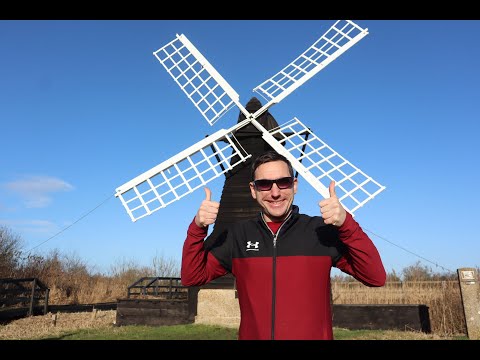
pixel 300 235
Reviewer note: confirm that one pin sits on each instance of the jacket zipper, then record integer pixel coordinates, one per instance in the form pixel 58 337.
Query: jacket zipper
pixel 274 282
pixel 274 278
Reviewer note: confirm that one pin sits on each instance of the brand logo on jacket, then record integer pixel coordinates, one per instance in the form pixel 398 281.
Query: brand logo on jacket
pixel 252 246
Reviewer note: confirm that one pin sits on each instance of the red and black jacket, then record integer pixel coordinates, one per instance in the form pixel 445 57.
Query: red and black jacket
pixel 283 280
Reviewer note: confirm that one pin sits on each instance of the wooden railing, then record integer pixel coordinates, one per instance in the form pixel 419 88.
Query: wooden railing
pixel 172 288
pixel 26 292
pixel 163 287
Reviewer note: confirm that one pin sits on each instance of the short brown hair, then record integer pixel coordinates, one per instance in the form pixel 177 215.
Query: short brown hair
pixel 268 157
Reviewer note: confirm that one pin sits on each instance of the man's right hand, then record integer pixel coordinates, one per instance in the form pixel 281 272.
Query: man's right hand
pixel 207 214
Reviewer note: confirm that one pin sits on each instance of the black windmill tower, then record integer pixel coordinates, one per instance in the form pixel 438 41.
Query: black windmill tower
pixel 236 202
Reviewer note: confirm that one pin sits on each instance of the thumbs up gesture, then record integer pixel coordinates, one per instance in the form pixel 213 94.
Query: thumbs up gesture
pixel 208 211
pixel 331 209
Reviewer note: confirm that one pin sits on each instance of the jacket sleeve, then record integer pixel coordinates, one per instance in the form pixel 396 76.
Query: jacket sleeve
pixel 198 266
pixel 361 260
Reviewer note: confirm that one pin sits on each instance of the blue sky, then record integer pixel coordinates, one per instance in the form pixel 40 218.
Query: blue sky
pixel 85 107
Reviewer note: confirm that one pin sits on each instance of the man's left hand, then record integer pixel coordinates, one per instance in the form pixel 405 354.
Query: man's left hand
pixel 331 209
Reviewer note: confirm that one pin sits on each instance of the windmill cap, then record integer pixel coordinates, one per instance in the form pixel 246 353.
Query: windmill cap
pixel 253 105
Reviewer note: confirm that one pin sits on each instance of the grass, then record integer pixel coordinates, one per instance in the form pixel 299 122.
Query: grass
pixel 209 332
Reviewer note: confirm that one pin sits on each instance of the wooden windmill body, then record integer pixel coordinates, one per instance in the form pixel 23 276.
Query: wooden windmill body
pixel 236 202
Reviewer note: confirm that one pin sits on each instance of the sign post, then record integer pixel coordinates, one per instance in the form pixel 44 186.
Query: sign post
pixel 469 289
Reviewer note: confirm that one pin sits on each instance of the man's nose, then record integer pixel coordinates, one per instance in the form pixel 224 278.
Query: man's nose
pixel 275 190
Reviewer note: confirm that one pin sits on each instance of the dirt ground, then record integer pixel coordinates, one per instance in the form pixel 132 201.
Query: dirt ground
pixel 47 325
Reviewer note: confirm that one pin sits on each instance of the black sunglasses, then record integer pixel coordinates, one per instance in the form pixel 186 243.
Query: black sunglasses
pixel 265 185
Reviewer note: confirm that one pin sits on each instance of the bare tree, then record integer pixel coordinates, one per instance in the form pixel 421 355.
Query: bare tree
pixel 128 270
pixel 10 252
pixel 165 267
pixel 417 272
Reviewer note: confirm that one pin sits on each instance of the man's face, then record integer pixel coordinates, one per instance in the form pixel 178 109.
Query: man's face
pixel 276 203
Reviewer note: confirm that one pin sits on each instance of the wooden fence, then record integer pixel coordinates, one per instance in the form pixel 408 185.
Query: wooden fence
pixel 443 299
pixel 160 287
pixel 26 292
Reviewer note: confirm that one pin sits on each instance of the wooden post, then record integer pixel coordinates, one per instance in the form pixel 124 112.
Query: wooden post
pixel 469 290
pixel 54 319
pixel 45 306
pixel 32 299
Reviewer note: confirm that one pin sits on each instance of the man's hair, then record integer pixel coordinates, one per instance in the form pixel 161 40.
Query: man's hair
pixel 268 157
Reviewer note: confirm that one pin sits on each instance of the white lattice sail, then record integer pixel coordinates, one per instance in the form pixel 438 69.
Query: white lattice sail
pixel 319 164
pixel 340 37
pixel 182 174
pixel 201 163
pixel 198 79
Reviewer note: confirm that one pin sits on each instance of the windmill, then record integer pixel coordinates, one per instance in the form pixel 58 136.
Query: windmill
pixel 222 152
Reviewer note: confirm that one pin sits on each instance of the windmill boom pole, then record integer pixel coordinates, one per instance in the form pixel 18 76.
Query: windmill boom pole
pixel 302 170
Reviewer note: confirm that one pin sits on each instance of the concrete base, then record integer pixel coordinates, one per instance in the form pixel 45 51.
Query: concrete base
pixel 218 307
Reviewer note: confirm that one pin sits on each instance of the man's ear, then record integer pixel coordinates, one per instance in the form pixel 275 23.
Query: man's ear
pixel 295 184
pixel 252 190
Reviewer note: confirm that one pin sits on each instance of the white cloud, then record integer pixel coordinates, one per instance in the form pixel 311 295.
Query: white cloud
pixel 36 190
pixel 31 226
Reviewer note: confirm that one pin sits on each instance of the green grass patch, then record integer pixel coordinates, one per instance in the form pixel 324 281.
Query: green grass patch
pixel 210 332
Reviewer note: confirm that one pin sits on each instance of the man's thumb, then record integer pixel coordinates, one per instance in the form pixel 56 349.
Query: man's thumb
pixel 208 194
pixel 331 188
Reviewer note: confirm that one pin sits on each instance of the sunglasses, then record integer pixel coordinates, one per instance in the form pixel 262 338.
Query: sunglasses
pixel 265 185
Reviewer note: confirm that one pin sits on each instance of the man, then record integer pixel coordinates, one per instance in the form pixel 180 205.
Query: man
pixel 281 259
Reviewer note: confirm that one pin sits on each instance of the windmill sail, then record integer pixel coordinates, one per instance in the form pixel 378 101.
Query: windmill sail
pixel 218 154
pixel 197 78
pixel 319 164
pixel 340 37
pixel 182 174
pixel 213 96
